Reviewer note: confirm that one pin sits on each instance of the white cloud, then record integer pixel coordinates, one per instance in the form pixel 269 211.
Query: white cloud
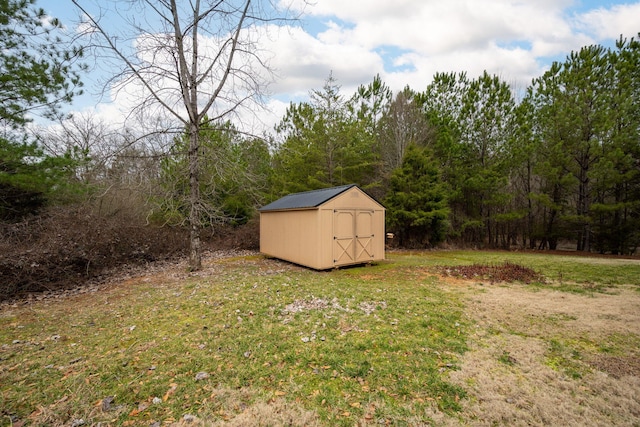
pixel 514 39
pixel 611 23
pixel 303 62
pixel 408 41
pixel 433 27
pixel 515 66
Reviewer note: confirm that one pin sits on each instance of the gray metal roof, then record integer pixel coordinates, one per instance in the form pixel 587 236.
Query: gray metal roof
pixel 306 200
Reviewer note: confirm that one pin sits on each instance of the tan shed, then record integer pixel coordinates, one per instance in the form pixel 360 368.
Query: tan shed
pixel 323 229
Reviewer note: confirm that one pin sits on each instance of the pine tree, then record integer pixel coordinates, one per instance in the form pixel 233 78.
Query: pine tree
pixel 323 144
pixel 37 76
pixel 417 210
pixel 472 120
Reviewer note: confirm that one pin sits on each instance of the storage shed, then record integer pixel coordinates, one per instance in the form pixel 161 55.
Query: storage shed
pixel 323 229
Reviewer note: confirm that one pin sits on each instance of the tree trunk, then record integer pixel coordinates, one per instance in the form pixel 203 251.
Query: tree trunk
pixel 195 252
pixel 530 218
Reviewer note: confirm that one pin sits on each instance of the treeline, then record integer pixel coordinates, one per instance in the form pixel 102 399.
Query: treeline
pixel 468 160
pixel 472 161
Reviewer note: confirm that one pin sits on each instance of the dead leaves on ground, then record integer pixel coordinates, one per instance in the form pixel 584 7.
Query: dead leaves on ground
pixel 507 272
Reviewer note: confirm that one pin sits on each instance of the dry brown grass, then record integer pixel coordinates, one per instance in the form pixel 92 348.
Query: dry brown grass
pixel 515 376
pixel 239 408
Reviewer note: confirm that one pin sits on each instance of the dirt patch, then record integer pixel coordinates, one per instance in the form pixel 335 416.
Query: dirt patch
pixel 617 366
pixel 506 272
pixel 540 357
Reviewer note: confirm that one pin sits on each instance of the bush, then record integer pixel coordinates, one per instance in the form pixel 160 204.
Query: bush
pixel 245 236
pixel 66 246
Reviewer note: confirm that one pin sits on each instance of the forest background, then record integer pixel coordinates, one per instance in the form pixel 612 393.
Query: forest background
pixel 467 161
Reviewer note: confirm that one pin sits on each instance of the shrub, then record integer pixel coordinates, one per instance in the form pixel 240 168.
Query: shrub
pixel 66 246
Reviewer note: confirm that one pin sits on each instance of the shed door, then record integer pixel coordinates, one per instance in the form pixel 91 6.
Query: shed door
pixel 353 236
pixel 364 235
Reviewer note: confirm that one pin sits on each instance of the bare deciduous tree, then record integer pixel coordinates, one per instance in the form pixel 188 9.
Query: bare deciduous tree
pixel 403 124
pixel 117 167
pixel 194 60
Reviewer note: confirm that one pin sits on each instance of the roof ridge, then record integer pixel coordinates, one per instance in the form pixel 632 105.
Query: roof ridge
pixel 307 199
pixel 322 189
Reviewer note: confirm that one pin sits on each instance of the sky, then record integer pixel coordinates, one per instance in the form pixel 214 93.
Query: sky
pixel 406 42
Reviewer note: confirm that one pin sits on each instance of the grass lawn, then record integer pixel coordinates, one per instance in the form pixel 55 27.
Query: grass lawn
pixel 255 341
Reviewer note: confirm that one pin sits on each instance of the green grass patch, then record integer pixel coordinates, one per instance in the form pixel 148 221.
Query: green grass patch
pixel 568 273
pixel 506 358
pixel 565 356
pixel 352 344
pixel 615 353
pixel 620 344
pixel 370 344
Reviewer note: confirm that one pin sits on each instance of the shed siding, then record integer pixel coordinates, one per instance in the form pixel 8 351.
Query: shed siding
pixel 352 199
pixel 290 235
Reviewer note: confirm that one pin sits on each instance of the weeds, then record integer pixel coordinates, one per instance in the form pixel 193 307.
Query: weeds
pixel 507 358
pixel 66 247
pixel 566 358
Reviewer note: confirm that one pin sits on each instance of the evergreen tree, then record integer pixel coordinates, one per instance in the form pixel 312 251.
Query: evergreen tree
pixel 473 122
pixel 522 157
pixel 486 116
pixel 417 210
pixel 615 210
pixel 323 145
pixel 368 109
pixel 37 76
pixel 37 73
pixel 586 122
pixel 369 105
pixel 28 178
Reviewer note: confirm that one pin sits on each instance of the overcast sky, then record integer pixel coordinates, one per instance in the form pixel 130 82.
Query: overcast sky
pixel 408 41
